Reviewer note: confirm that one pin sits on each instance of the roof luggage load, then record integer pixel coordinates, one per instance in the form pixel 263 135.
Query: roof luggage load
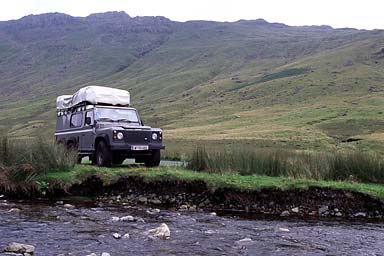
pixel 94 95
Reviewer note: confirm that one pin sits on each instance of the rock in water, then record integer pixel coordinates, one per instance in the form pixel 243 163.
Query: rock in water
pixel 69 206
pixel 114 219
pixel 116 235
pixel 161 232
pixel 127 218
pixel 20 248
pixel 245 241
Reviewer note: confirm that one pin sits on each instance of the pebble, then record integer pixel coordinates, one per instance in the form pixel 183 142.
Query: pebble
pixel 105 254
pixel 213 214
pixel 285 214
pixel 360 214
pixel 155 201
pixel 59 203
pixel 323 210
pixel 142 199
pixel 284 229
pixel 183 207
pixel 295 210
pixel 126 236
pixel 153 211
pixel 92 254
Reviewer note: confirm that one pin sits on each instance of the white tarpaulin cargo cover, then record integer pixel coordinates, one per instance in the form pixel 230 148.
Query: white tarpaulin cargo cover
pixel 94 95
pixel 63 101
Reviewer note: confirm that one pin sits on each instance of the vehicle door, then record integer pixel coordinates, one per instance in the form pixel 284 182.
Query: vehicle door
pixel 88 137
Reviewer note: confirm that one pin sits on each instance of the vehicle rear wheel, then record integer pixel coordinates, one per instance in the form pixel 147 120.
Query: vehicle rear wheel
pixel 154 159
pixel 103 155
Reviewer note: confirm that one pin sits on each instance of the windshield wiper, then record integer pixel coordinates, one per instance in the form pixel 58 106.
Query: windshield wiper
pixel 107 119
pixel 125 120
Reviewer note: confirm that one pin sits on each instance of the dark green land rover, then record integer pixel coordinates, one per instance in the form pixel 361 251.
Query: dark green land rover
pixel 98 123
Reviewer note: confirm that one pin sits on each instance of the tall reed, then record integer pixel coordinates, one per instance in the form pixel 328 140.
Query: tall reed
pixel 352 166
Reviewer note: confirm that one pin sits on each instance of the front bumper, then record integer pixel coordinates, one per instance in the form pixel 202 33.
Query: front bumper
pixel 127 147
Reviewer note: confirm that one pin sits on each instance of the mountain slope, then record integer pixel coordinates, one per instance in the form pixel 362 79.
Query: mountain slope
pixel 304 86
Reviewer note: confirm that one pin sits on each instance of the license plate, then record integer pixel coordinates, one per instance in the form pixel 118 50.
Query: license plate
pixel 136 148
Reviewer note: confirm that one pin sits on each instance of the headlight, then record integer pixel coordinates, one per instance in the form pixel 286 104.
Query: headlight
pixel 154 136
pixel 120 135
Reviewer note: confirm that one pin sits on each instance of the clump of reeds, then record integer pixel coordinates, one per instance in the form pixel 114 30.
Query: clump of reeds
pixel 337 166
pixel 22 160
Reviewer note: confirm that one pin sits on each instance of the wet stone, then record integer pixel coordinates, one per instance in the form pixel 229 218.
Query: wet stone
pixel 285 214
pixel 25 249
pixel 128 218
pixel 116 235
pixel 68 206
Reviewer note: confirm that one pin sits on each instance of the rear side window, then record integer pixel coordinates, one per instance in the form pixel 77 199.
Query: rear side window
pixel 77 119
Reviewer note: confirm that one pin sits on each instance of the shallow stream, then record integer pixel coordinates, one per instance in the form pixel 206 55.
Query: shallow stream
pixel 87 228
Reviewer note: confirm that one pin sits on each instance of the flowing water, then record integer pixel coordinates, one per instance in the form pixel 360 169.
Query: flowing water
pixel 56 230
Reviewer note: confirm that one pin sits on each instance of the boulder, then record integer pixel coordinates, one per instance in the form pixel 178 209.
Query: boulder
pixel 161 232
pixel 20 248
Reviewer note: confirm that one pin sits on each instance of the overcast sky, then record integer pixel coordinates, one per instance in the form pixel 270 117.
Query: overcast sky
pixel 367 14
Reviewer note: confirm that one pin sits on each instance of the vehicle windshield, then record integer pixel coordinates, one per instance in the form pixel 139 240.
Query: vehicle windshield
pixel 116 115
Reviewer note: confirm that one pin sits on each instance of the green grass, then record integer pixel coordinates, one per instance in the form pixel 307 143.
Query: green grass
pixel 245 183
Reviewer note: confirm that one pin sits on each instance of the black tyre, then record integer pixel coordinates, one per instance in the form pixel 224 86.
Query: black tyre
pixel 153 159
pixel 116 159
pixel 103 155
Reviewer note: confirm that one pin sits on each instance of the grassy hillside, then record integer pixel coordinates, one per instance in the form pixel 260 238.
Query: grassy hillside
pixel 246 81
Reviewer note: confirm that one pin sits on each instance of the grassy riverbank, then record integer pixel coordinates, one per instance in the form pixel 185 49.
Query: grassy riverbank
pixel 165 173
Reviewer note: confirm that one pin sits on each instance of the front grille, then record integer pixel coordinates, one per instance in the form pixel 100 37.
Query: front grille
pixel 137 137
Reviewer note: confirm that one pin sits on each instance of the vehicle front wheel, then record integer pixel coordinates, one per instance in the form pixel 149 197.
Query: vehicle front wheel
pixel 103 155
pixel 154 159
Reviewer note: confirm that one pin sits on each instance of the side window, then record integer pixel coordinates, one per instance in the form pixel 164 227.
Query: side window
pixel 77 119
pixel 90 115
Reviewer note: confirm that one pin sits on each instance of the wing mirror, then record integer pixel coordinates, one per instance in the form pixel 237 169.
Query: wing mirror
pixel 88 120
